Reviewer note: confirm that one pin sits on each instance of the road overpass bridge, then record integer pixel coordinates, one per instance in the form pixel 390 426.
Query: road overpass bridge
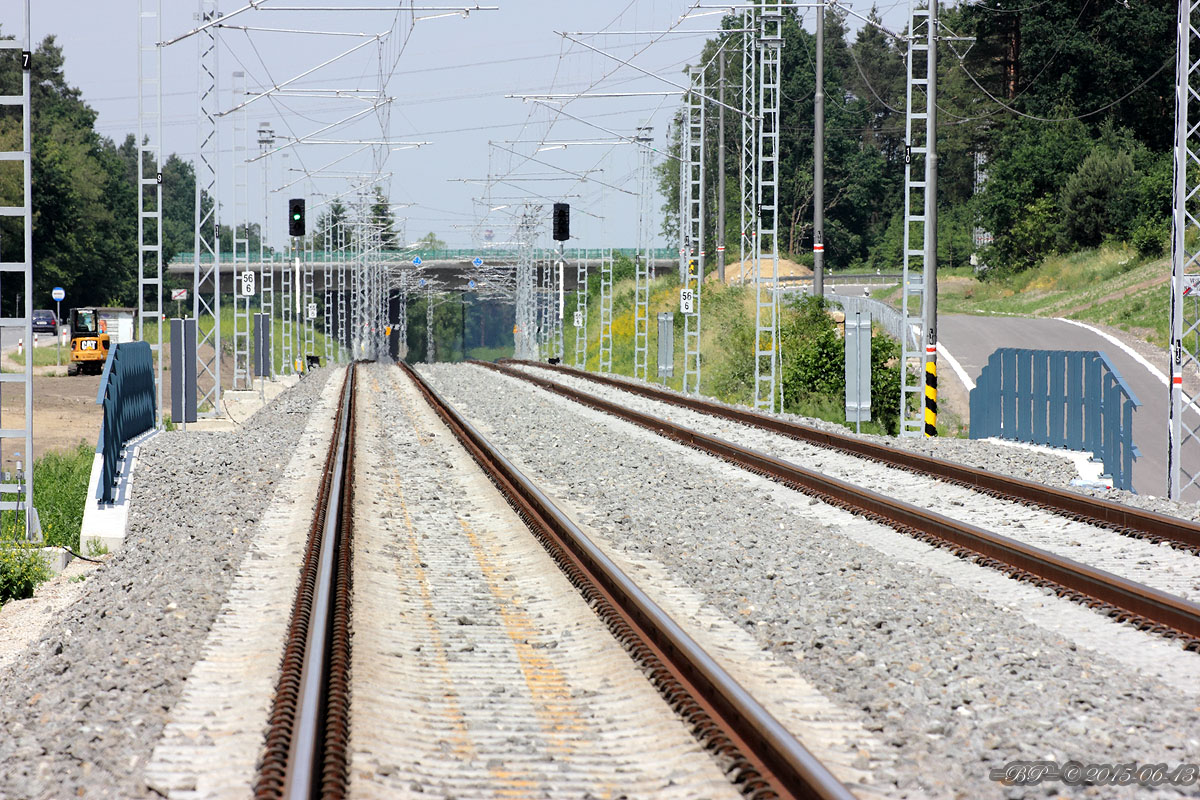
pixel 449 270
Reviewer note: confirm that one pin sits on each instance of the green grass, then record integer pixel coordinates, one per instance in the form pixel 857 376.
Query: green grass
pixel 227 314
pixel 724 357
pixel 60 482
pixel 493 353
pixel 1109 285
pixel 43 356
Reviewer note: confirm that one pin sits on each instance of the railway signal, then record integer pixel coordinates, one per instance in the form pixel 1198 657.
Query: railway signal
pixel 296 216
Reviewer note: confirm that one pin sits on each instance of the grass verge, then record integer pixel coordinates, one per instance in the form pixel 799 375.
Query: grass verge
pixel 1110 285
pixel 60 481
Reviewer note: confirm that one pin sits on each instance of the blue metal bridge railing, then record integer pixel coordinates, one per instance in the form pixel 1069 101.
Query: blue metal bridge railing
pixel 1075 399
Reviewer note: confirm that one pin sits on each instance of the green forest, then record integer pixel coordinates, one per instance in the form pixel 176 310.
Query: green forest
pixel 85 194
pixel 1054 133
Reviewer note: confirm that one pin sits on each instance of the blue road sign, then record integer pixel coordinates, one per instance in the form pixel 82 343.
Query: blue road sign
pixel 477 261
pixel 471 283
pixel 58 294
pixel 416 261
pixel 422 283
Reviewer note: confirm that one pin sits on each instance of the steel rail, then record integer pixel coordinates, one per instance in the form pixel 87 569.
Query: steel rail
pixel 1144 606
pixel 308 733
pixel 1139 523
pixel 761 755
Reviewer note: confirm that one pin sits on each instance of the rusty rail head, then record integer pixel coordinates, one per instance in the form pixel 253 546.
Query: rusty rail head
pixel 1103 513
pixel 298 743
pixel 1125 599
pixel 766 760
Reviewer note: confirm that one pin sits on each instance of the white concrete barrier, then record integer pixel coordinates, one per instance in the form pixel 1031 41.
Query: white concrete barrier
pixel 104 524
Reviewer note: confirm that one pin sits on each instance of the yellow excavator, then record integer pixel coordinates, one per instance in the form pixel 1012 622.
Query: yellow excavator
pixel 89 342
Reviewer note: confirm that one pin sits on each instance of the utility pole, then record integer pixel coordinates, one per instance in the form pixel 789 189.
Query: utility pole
pixel 721 173
pixel 149 144
pixel 692 226
pixel 766 266
pixel 206 267
pixel 819 161
pixel 918 394
pixel 644 259
pixel 931 225
pixel 266 141
pixel 748 249
pixel 243 277
pixel 1185 275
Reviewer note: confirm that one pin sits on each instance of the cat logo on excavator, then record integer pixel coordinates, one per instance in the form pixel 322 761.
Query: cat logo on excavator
pixel 89 342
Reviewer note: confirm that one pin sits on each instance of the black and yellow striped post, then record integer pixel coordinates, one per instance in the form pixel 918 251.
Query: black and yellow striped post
pixel 930 390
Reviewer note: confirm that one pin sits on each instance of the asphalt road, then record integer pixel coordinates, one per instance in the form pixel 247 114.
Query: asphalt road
pixel 971 339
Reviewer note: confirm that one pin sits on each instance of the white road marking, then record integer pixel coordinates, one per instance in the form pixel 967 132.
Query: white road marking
pixel 1129 351
pixel 957 367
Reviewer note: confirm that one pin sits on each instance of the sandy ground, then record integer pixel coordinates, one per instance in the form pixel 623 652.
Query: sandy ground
pixel 22 621
pixel 64 408
pixel 64 413
pixel 733 271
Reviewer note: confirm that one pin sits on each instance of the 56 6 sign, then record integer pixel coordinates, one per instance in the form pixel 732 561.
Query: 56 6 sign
pixel 248 283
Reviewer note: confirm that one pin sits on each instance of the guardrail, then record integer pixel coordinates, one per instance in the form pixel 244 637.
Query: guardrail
pixel 127 394
pixel 1061 398
pixel 889 318
pixel 857 278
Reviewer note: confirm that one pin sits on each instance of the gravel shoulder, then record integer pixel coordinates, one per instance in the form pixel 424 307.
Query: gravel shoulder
pixel 951 675
pixel 1002 459
pixel 1158 565
pixel 85 703
pixel 22 621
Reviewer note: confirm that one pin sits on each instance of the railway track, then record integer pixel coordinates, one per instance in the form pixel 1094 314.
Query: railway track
pixel 1134 522
pixel 308 741
pixel 1148 608
pixel 765 760
pixel 306 746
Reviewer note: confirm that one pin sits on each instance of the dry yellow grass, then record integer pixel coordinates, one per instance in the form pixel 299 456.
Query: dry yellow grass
pixel 733 272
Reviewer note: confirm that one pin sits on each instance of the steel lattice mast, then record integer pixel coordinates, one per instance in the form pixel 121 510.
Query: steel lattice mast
pixel 606 298
pixel 694 231
pixel 920 219
pixel 342 326
pixel 206 275
pixel 1183 438
pixel 526 311
pixel 308 300
pixel 23 319
pixel 556 303
pixel 266 288
pixel 150 166
pixel 241 244
pixel 287 308
pixel 644 258
pixel 766 267
pixel 581 309
pixel 749 151
pixel 402 315
pixel 327 314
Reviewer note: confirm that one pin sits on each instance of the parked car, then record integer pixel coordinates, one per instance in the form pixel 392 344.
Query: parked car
pixel 44 322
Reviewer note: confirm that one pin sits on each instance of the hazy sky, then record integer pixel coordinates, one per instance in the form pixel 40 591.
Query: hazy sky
pixel 448 77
